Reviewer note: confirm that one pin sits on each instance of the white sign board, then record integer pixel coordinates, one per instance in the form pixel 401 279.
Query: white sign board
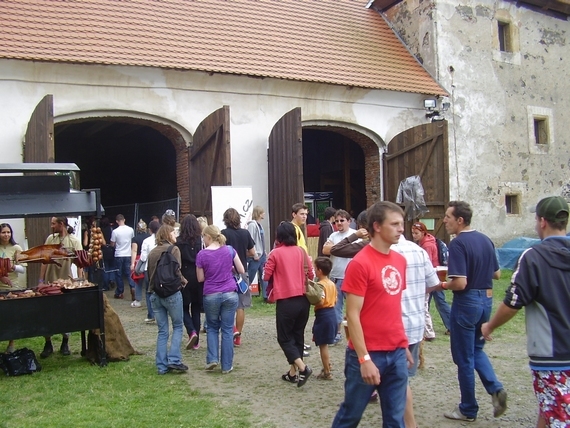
pixel 224 197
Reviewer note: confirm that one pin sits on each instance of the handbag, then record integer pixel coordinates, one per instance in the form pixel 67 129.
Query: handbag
pixel 139 267
pixel 314 292
pixel 241 284
pixel 138 273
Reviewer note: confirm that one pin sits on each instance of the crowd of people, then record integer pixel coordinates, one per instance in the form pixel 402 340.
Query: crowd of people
pixel 374 282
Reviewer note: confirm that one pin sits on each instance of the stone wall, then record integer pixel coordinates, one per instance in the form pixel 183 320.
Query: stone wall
pixel 496 96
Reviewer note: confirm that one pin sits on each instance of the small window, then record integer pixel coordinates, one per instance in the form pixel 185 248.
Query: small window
pixel 512 204
pixel 541 130
pixel 505 44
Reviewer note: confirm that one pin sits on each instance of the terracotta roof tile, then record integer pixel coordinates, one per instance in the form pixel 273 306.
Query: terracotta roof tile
pixel 330 41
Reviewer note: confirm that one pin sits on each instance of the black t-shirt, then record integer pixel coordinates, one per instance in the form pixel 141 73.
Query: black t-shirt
pixel 241 240
pixel 138 239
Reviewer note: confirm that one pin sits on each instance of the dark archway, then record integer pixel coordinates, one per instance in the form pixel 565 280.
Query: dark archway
pixel 131 160
pixel 342 161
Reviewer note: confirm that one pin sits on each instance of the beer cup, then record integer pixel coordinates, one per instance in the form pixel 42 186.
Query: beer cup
pixel 441 272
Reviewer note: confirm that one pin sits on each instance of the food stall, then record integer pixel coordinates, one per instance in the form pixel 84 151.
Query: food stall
pixel 45 194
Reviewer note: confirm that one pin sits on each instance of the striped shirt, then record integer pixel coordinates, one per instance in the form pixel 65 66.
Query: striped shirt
pixel 420 275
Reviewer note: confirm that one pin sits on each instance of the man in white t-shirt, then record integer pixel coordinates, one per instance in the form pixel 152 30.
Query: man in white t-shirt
pixel 121 238
pixel 342 220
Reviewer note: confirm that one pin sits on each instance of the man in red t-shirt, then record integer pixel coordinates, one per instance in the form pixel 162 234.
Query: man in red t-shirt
pixel 377 356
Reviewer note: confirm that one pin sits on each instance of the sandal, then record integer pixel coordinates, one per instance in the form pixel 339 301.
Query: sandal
pixel 288 378
pixel 324 375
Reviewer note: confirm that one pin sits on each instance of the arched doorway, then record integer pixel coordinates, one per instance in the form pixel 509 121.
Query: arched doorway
pixel 291 140
pixel 334 161
pixel 131 160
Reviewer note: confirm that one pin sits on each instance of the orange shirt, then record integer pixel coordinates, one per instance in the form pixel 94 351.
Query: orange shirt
pixel 330 294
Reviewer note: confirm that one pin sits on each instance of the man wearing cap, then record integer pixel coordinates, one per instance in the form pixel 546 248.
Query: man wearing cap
pixel 472 266
pixel 541 283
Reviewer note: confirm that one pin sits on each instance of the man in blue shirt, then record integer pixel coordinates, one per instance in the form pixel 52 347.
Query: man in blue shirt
pixel 472 266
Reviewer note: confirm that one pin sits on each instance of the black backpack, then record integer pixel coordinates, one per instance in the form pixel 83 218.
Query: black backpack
pixel 442 252
pixel 166 278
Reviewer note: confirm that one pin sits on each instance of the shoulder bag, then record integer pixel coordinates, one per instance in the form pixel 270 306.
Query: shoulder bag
pixel 314 291
pixel 241 284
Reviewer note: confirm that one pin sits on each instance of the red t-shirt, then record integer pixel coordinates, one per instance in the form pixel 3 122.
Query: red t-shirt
pixel 380 278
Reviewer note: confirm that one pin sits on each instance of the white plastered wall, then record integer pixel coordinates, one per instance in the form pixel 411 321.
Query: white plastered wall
pixel 184 98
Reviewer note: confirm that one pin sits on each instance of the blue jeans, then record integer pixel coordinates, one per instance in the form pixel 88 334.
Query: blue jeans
pixel 469 310
pixel 139 286
pixel 442 307
pixel 339 301
pixel 123 264
pixel 256 266
pixel 393 368
pixel 149 311
pixel 220 311
pixel 109 273
pixel 163 308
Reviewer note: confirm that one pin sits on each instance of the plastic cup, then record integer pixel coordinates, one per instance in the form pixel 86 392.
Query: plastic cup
pixel 441 272
pixel 345 325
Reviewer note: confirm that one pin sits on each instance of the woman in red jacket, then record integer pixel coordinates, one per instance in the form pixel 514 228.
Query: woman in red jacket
pixel 285 267
pixel 429 243
pixel 426 241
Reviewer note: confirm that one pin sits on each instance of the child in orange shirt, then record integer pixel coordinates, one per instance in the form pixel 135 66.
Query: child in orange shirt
pixel 325 326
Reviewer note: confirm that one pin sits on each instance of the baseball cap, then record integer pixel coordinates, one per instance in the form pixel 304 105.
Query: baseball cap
pixel 552 208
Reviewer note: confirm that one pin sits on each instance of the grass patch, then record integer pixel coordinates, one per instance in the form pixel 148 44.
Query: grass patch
pixel 260 308
pixel 71 392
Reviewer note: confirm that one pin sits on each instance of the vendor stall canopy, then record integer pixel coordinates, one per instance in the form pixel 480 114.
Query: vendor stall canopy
pixel 44 193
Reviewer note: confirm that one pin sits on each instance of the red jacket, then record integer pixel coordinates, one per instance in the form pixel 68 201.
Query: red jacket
pixel 429 244
pixel 286 269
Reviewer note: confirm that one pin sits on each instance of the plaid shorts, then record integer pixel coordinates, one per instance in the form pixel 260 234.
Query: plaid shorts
pixel 552 389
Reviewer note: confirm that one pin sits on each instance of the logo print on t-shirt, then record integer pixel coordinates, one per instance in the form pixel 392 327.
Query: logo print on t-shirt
pixel 392 280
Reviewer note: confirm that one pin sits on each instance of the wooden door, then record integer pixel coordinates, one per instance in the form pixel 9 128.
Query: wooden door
pixel 209 161
pixel 285 164
pixel 39 147
pixel 423 151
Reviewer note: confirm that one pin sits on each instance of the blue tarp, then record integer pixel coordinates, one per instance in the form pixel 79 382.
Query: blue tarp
pixel 509 254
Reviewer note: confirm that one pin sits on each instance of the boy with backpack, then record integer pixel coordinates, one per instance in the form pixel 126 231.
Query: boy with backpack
pixel 324 328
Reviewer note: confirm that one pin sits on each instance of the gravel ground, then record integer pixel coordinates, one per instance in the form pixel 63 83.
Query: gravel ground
pixel 259 363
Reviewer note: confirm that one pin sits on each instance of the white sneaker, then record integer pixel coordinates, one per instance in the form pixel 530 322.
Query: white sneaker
pixel 149 320
pixel 211 366
pixel 136 304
